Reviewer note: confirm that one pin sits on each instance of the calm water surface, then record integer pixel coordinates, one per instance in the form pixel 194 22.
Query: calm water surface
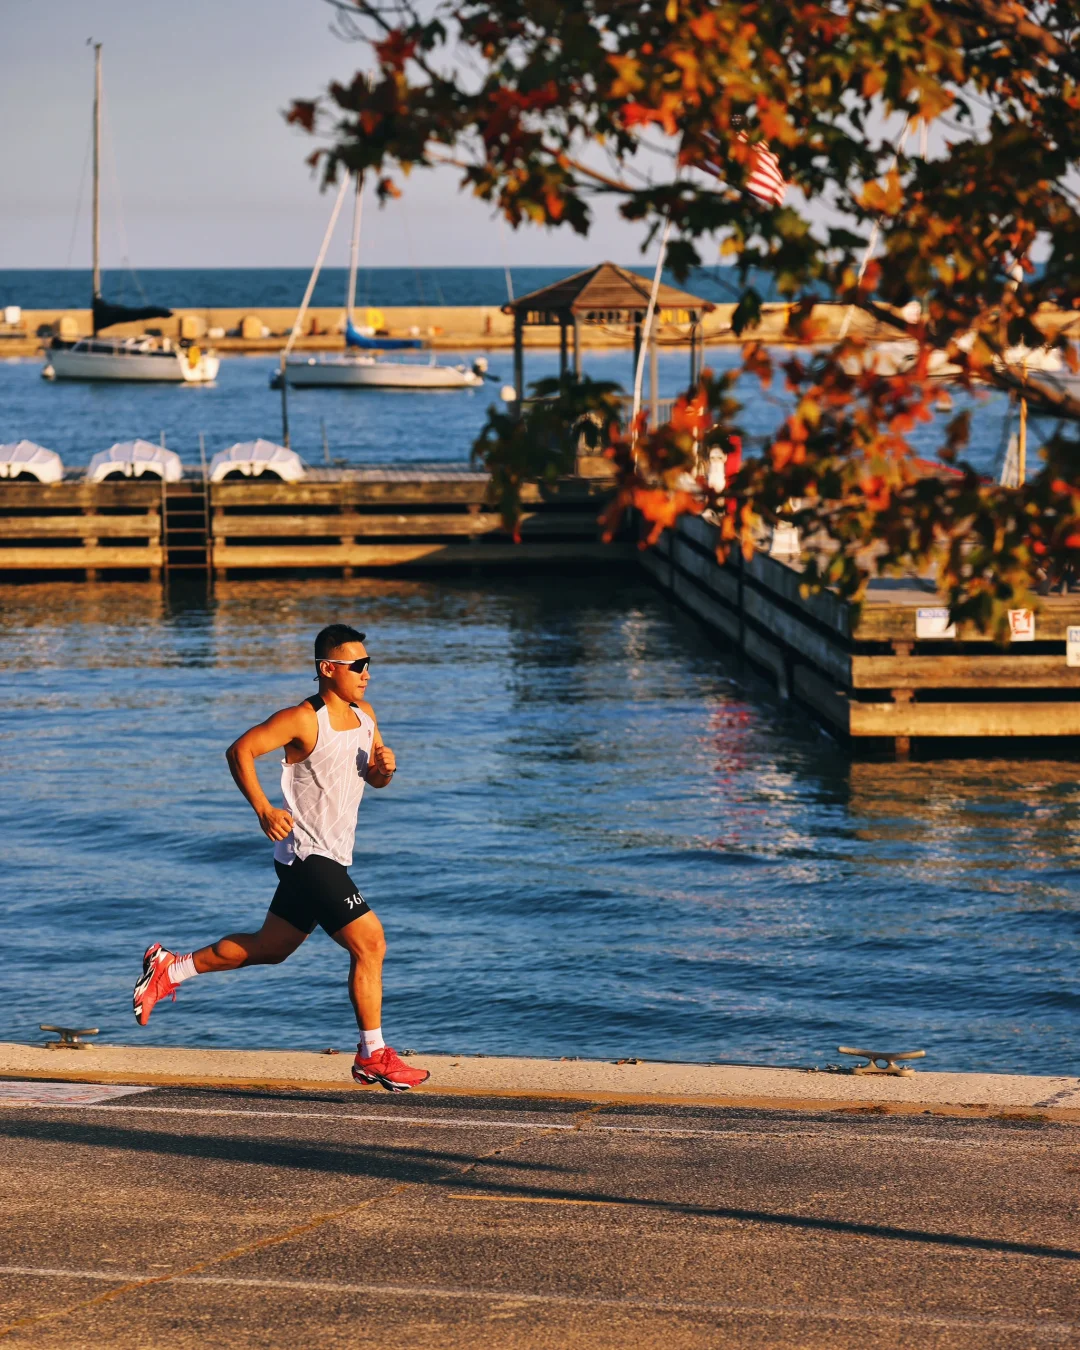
pixel 378 426
pixel 605 838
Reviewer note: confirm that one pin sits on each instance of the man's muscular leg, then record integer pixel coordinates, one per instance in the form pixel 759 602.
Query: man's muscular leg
pixel 364 941
pixel 164 971
pixel 375 1061
pixel 275 940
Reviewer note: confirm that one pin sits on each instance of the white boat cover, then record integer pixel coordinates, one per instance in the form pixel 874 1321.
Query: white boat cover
pixel 26 457
pixel 252 458
pixel 133 459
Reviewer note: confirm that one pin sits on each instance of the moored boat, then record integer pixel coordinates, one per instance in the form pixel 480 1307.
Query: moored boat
pixel 363 364
pixel 353 370
pixel 138 359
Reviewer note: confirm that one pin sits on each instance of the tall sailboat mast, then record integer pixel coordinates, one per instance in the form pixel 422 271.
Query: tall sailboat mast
pixel 97 170
pixel 354 246
pixel 128 358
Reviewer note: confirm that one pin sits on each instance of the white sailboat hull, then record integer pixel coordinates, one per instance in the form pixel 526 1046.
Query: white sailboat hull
pixel 365 372
pixel 71 363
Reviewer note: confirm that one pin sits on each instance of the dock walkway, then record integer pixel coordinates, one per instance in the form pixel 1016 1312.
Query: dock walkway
pixel 143 1216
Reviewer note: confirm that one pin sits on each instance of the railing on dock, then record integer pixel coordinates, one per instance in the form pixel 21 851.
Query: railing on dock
pixel 88 528
pixel 887 672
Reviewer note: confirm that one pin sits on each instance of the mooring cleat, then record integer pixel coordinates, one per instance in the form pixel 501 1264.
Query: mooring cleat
pixel 69 1037
pixel 883 1061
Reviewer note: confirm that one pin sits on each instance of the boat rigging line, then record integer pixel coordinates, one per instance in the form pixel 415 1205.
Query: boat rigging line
pixel 301 313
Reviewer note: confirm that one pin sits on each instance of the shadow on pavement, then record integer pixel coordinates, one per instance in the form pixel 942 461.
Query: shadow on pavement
pixel 429 1167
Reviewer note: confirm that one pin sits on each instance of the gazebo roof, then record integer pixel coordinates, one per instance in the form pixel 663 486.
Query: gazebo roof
pixel 603 290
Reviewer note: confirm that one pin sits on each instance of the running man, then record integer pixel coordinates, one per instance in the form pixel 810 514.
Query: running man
pixel 332 748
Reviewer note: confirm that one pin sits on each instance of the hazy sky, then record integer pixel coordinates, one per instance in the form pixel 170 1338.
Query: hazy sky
pixel 207 171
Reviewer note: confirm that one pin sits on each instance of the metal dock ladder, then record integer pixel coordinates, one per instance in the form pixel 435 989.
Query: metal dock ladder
pixel 185 524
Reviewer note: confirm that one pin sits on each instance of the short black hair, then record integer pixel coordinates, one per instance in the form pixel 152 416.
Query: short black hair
pixel 332 636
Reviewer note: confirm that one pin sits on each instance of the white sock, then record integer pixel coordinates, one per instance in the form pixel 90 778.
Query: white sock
pixel 370 1041
pixel 183 968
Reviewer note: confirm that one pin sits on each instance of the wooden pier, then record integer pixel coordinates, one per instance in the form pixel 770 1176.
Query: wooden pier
pixel 335 520
pixel 89 529
pixel 876 675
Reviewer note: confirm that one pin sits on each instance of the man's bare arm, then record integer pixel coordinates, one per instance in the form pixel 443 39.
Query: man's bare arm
pixel 292 726
pixel 383 762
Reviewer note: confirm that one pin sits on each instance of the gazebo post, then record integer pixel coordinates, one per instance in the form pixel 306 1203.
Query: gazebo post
pixel 519 358
pixel 693 351
pixel 654 379
pixel 577 349
pixel 562 348
pixel 637 343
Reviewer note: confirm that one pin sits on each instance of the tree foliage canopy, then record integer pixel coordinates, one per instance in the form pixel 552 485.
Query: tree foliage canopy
pixel 545 106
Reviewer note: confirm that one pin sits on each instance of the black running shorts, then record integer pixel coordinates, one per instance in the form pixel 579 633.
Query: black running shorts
pixel 316 890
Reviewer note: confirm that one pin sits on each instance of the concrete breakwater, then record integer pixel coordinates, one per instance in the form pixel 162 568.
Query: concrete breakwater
pixel 260 329
pixel 446 327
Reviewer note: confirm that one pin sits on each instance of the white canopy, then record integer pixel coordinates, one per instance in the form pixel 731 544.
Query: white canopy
pixel 26 457
pixel 133 459
pixel 254 457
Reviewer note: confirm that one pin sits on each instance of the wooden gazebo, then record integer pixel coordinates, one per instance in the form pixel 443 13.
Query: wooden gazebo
pixel 607 295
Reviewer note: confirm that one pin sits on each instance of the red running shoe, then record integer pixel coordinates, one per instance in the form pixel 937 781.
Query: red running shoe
pixel 386 1067
pixel 154 984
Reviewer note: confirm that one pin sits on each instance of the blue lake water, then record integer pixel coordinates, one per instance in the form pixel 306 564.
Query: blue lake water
pixel 191 287
pixel 605 838
pixel 377 426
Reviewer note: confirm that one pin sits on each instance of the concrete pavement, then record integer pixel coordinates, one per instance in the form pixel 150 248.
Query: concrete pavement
pixel 200 1217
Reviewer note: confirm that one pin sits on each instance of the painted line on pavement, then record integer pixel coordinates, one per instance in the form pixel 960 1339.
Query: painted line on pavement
pixel 1040 1328
pixel 443 1121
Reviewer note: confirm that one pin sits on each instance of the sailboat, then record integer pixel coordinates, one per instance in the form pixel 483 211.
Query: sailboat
pixel 361 364
pixel 140 358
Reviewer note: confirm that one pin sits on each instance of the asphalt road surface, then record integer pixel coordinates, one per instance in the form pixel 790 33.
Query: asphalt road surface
pixel 196 1218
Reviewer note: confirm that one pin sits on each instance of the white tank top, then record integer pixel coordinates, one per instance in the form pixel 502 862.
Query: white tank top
pixel 323 792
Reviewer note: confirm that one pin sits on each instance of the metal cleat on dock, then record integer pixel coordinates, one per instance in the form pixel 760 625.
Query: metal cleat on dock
pixel 69 1037
pixel 882 1061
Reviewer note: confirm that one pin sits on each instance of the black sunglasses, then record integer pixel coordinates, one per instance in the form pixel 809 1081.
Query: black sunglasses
pixel 357 667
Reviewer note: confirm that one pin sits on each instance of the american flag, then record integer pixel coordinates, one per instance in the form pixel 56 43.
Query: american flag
pixel 765 181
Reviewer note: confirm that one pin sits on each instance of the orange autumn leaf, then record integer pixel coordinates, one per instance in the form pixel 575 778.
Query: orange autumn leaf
pixel 627 77
pixel 663 508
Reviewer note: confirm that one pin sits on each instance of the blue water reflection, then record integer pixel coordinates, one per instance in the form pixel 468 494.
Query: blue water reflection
pixel 606 837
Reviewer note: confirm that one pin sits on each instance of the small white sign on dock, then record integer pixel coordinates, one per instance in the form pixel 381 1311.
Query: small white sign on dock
pixel 934 623
pixel 1072 646
pixel 1022 625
